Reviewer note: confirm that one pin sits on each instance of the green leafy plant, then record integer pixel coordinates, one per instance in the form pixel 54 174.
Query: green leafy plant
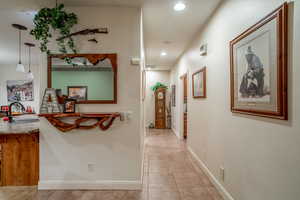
pixel 158 85
pixel 59 20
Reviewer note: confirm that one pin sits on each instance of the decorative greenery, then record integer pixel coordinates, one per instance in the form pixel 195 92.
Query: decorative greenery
pixel 59 20
pixel 158 85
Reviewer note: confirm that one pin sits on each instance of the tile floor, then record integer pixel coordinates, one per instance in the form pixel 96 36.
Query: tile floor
pixel 169 174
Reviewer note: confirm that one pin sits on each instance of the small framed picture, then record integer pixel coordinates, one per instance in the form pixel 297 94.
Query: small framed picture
pixel 70 106
pixel 77 92
pixel 199 83
pixel 173 95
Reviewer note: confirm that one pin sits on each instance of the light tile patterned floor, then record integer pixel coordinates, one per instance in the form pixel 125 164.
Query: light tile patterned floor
pixel 169 174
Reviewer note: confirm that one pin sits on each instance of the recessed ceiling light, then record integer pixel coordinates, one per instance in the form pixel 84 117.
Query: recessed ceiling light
pixel 179 6
pixel 163 53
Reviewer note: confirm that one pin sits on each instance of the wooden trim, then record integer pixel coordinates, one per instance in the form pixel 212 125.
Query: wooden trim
pixel 281 14
pixel 203 70
pixel 104 120
pixel 93 58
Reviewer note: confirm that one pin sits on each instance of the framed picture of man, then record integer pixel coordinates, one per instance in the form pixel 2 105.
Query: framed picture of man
pixel 259 68
pixel 199 83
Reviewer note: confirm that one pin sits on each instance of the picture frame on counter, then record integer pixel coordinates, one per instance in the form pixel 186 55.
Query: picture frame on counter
pixel 79 93
pixel 69 106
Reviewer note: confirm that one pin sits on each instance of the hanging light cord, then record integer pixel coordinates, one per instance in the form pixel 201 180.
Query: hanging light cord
pixel 29 59
pixel 19 46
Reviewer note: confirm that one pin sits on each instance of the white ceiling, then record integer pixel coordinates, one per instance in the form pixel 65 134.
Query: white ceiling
pixel 171 31
pixel 130 3
pixel 165 29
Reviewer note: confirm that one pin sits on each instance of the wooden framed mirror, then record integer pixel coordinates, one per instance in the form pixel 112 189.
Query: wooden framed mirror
pixel 91 78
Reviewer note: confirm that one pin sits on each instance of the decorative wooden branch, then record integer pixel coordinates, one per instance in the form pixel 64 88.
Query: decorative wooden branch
pixel 93 40
pixel 93 58
pixel 86 32
pixel 104 120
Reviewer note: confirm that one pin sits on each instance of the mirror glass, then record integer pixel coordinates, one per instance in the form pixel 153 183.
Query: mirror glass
pixel 83 80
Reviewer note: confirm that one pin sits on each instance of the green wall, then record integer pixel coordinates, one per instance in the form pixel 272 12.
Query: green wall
pixel 100 83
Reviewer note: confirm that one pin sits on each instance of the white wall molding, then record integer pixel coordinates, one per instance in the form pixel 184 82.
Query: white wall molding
pixel 176 133
pixel 89 185
pixel 225 194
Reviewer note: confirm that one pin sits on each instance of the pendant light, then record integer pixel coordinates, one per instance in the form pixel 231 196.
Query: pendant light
pixel 20 66
pixel 29 75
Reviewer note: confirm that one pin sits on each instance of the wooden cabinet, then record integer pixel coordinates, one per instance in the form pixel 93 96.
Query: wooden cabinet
pixel 19 159
pixel 160 108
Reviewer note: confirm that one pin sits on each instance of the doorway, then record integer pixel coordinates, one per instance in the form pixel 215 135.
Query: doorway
pixel 185 102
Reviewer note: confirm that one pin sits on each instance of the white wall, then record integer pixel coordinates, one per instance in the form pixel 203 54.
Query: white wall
pixel 152 77
pixel 260 156
pixel 116 153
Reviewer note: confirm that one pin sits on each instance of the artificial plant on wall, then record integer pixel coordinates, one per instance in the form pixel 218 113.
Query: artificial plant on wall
pixel 158 85
pixel 58 20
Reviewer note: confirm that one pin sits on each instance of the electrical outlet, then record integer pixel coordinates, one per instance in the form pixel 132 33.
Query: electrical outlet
pixel 222 173
pixel 91 167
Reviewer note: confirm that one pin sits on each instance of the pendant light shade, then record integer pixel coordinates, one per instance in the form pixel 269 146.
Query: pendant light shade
pixel 20 66
pixel 29 75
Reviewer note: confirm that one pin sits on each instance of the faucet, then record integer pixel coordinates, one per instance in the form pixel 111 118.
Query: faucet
pixel 9 113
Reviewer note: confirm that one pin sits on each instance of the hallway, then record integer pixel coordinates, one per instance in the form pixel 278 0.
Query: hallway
pixel 169 174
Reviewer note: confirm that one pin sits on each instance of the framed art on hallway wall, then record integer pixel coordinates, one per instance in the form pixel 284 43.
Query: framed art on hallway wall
pixel 259 68
pixel 199 83
pixel 173 95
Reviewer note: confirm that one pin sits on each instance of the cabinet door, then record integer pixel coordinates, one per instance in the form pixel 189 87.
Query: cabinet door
pixel 20 160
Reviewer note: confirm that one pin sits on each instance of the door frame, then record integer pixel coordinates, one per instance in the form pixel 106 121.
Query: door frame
pixel 181 103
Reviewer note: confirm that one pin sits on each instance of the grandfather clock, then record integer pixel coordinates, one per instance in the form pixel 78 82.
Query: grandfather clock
pixel 160 108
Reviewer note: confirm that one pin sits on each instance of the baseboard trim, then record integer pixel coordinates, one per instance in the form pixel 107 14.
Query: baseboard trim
pixel 176 133
pixel 225 194
pixel 90 185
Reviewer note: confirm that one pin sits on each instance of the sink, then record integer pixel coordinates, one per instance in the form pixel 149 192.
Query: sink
pixel 25 119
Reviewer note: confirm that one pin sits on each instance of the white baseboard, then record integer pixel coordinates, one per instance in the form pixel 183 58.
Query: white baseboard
pixel 90 185
pixel 176 133
pixel 225 194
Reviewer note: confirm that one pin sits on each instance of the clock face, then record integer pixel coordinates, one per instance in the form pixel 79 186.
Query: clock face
pixel 160 95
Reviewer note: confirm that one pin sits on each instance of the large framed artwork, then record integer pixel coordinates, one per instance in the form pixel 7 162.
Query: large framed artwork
pixel 259 68
pixel 19 90
pixel 199 83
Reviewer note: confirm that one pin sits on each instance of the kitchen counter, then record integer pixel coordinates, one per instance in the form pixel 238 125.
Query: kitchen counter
pixel 18 128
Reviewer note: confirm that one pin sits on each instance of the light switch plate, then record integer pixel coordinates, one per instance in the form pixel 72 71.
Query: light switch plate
pixel 222 173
